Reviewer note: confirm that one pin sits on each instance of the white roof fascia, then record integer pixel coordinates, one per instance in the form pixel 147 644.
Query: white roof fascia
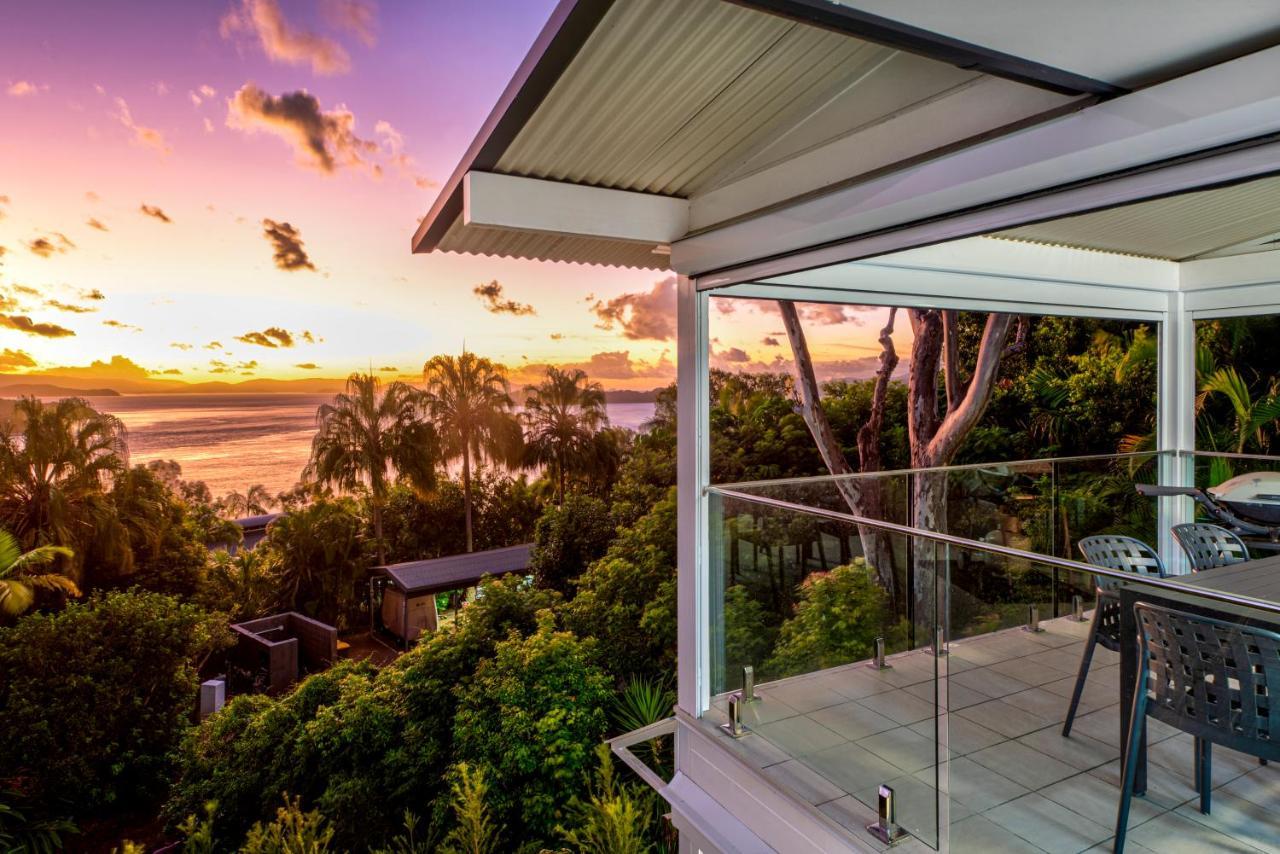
pixel 531 204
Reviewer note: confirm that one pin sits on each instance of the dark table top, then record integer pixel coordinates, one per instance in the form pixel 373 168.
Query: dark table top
pixel 1255 579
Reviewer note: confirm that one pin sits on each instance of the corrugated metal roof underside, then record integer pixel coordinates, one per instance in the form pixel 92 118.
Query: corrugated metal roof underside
pixel 546 246
pixel 457 571
pixel 1225 220
pixel 679 97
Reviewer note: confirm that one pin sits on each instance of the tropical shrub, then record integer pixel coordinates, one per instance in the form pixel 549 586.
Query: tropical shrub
pixel 567 539
pixel 322 560
pixel 612 818
pixel 748 635
pixel 95 698
pixel 362 746
pixel 292 832
pixel 530 717
pixel 626 600
pixel 838 617
pixel 474 830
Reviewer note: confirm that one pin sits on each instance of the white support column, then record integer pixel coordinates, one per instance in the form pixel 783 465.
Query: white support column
pixel 693 473
pixel 1176 427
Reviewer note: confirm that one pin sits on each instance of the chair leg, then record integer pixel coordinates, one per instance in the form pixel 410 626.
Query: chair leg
pixel 1085 660
pixel 1206 775
pixel 1129 761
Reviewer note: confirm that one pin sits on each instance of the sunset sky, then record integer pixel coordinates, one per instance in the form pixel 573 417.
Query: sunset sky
pixel 226 190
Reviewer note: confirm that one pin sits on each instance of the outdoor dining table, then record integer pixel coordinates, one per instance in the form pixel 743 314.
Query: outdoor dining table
pixel 1255 579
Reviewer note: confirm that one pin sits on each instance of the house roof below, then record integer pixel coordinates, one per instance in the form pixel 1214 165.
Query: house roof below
pixel 456 571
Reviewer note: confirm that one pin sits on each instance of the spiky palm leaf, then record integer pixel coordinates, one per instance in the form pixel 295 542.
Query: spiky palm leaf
pixel 370 436
pixel 20 578
pixel 467 397
pixel 562 415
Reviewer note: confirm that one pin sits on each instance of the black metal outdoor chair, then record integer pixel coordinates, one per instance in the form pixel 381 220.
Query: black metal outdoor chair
pixel 1210 678
pixel 1114 552
pixel 1209 546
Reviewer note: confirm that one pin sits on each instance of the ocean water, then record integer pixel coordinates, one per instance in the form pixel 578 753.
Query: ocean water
pixel 232 441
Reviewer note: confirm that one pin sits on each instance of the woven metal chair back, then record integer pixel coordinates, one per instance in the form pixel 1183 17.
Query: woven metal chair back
pixel 1213 679
pixel 1122 553
pixel 1210 545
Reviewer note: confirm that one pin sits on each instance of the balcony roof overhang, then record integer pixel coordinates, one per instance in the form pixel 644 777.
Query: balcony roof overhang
pixel 698 119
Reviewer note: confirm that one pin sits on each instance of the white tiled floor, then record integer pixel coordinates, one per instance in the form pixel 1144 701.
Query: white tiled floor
pixel 1016 785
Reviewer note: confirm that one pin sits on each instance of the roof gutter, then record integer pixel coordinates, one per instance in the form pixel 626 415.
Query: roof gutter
pixel 846 19
pixel 564 34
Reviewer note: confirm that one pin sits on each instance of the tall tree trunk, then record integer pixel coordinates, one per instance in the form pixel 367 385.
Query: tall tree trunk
pixel 934 439
pixel 466 491
pixel 377 531
pixel 864 498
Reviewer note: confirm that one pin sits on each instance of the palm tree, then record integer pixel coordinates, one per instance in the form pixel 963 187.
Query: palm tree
pixel 255 502
pixel 56 463
pixel 562 415
pixel 467 396
pixel 368 437
pixel 19 579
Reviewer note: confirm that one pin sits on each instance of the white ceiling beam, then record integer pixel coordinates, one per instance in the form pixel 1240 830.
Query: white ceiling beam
pixel 1227 103
pixel 492 200
pixel 962 113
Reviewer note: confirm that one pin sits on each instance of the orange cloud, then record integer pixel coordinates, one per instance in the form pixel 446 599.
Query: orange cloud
pixel 495 303
pixel 142 135
pixel 642 315
pixel 286 240
pixel 155 212
pixel 24 88
pixel 321 140
pixel 22 323
pixel 12 359
pixel 272 336
pixel 281 41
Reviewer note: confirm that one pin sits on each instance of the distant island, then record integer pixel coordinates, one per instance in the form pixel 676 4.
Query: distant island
pixel 47 390
pixel 15 385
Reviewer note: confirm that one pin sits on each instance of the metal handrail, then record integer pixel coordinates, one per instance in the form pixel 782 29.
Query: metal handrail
pixel 866 475
pixel 1006 551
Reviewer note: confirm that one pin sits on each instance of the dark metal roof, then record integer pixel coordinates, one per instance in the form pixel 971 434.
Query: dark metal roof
pixel 250 523
pixel 455 571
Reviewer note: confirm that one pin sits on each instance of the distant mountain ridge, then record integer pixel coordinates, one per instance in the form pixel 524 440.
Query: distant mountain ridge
pixel 44 385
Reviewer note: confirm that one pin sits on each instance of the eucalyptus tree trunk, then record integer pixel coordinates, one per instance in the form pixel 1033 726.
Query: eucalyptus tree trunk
pixel 935 437
pixel 864 498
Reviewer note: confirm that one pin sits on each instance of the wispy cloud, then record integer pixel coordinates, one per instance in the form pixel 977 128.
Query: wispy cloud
pixel 199 96
pixel 12 359
pixel 121 325
pixel 406 166
pixel 142 135
pixel 320 140
pixel 359 17
pixel 94 222
pixel 495 301
pixel 642 315
pixel 307 366
pixel 286 241
pixel 92 294
pixel 22 323
pixel 4 202
pixel 155 212
pixel 55 242
pixel 272 336
pixel 181 345
pixel 283 42
pixel 69 307
pixel 25 88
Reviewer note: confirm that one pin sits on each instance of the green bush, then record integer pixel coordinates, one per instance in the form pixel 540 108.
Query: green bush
pixel 95 698
pixel 567 539
pixel 531 717
pixel 612 818
pixel 361 746
pixel 838 617
pixel 626 600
